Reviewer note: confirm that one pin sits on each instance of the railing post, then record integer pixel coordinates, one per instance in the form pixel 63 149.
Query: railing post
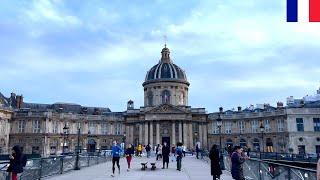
pixel 289 173
pixel 260 171
pixel 61 165
pixel 40 170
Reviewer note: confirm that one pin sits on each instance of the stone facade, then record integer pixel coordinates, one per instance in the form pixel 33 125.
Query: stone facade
pixel 243 128
pixel 165 117
pixel 5 116
pixel 304 130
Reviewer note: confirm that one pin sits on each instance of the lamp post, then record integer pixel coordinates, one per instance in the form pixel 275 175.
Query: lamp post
pixel 219 124
pixel 65 136
pixel 77 167
pixel 262 131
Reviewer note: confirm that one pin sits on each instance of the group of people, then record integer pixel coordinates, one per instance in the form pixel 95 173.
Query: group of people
pixel 162 151
pixel 237 159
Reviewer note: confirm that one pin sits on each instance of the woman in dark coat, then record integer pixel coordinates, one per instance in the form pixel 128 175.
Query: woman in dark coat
pixel 215 162
pixel 16 162
pixel 237 159
pixel 165 155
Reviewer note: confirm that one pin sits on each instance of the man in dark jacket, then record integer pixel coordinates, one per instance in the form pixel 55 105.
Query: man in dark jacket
pixel 215 162
pixel 237 159
pixel 148 149
pixel 16 164
pixel 165 154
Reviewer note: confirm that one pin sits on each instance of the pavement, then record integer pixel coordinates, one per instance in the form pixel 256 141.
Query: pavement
pixel 192 169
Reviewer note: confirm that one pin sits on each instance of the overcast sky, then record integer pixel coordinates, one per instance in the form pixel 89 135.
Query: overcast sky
pixel 97 53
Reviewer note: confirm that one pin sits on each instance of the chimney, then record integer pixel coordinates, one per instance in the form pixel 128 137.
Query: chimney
pixel 239 108
pixel 19 101
pixel 279 104
pixel 220 109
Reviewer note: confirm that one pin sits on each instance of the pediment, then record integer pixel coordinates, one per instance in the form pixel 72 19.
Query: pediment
pixel 166 109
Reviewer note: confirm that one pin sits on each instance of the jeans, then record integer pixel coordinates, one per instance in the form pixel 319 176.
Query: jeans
pixel 179 159
pixel 148 154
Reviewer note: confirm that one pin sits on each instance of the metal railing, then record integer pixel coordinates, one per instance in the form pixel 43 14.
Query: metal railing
pixel 311 158
pixel 43 167
pixel 256 169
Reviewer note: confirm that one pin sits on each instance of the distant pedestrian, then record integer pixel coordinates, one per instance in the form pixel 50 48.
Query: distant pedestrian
pixel 148 149
pixel 140 150
pixel 16 162
pixel 129 153
pixel 237 160
pixel 318 170
pixel 173 153
pixel 248 152
pixel 165 155
pixel 184 149
pixel 159 153
pixel 116 151
pixel 179 153
pixel 197 150
pixel 215 162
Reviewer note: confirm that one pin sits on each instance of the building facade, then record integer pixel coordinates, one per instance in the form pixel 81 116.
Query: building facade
pixel 51 129
pixel 5 116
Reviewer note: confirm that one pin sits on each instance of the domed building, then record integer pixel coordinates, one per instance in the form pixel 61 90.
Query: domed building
pixel 166 116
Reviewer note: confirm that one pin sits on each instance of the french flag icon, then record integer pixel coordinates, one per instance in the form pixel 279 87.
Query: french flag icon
pixel 303 10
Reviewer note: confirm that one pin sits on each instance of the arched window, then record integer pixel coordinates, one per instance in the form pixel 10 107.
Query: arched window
pixel 243 143
pixel 181 98
pixel 166 97
pixel 256 144
pixel 150 98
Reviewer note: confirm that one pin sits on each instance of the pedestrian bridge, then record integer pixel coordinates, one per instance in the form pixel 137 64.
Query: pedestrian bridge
pixel 192 169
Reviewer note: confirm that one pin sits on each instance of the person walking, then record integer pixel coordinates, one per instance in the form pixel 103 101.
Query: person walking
pixel 173 153
pixel 197 150
pixel 129 153
pixel 237 160
pixel 16 162
pixel 165 155
pixel 184 150
pixel 139 150
pixel 148 149
pixel 215 162
pixel 159 154
pixel 179 152
pixel 116 151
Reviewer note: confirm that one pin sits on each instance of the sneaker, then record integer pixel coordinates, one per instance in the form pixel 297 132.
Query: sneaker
pixel 112 175
pixel 128 170
pixel 119 171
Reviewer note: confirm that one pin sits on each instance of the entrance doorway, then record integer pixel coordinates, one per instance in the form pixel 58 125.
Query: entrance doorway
pixel 92 145
pixel 166 139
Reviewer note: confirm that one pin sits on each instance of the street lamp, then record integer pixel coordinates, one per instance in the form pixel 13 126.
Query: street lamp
pixel 219 124
pixel 77 167
pixel 65 136
pixel 262 131
pixel 124 142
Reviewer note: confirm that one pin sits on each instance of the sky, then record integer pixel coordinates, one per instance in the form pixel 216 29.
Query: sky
pixel 97 53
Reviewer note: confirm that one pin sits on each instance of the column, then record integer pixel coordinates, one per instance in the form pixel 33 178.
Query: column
pixel 151 134
pixel 131 134
pixel 146 133
pixel 180 131
pixel 185 134
pixel 140 133
pixel 191 136
pixel 200 135
pixel 173 133
pixel 158 133
pixel 205 136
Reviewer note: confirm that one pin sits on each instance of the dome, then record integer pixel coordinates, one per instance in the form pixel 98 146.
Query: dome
pixel 166 70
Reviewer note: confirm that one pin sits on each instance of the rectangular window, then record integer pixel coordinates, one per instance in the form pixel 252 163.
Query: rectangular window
pixel 316 124
pixel 267 125
pixel 118 129
pixel 228 127
pixel 300 126
pixel 55 127
pixel 104 129
pixel 302 149
pixel 21 126
pixel 254 126
pixel 92 127
pixel 36 128
pixel 215 129
pixel 241 127
pixel 280 123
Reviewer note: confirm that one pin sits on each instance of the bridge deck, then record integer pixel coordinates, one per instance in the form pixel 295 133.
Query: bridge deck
pixel 192 169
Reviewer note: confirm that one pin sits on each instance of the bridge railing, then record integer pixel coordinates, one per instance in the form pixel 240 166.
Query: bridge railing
pixel 312 158
pixel 43 167
pixel 257 169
